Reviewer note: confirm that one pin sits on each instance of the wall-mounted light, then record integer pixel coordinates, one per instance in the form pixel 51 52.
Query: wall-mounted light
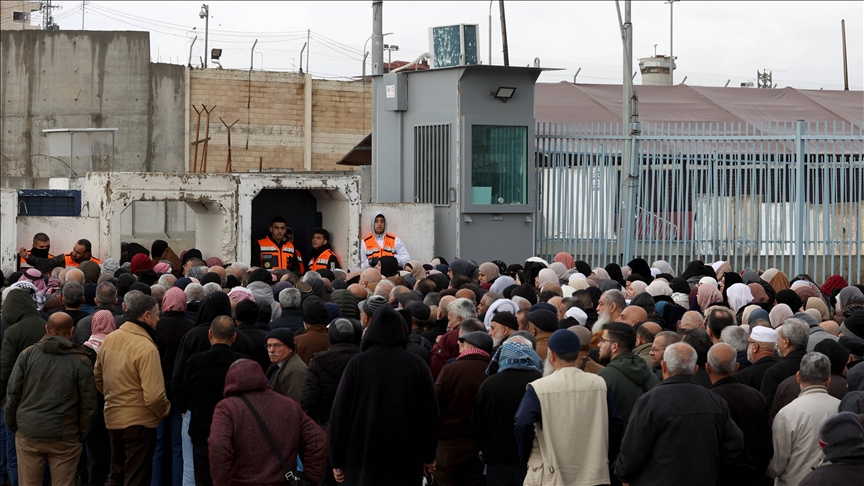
pixel 215 54
pixel 504 93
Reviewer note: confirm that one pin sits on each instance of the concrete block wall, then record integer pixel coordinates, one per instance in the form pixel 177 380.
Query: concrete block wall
pixel 274 119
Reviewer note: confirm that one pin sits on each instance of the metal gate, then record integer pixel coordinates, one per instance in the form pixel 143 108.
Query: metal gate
pixel 784 195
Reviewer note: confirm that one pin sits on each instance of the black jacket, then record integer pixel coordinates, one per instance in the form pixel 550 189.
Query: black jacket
pixel 752 376
pixel 775 375
pixel 671 425
pixel 259 343
pixel 439 328
pixel 290 318
pixel 322 380
pixel 204 387
pixel 170 329
pixel 196 341
pixel 748 409
pixel 741 359
pixel 494 408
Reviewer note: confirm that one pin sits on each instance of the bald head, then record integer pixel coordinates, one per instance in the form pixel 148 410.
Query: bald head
pixel 222 330
pixel 370 276
pixel 223 275
pixel 359 291
pixel 60 324
pixel 466 294
pixel 646 332
pixel 76 275
pixel 442 305
pixel 692 320
pixel 633 315
pixel 721 361
pixel 831 327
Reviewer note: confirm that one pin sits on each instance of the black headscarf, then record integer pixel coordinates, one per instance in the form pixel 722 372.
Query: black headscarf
pixel 696 268
pixel 635 276
pixel 390 266
pixel 190 254
pixel 680 285
pixel 640 266
pixel 532 269
pixel 214 305
pixel 585 269
pixel 387 330
pixel 837 355
pixel 615 273
pixel 525 291
pixel 461 267
pixel 608 284
pixel 135 249
pixel 790 298
pixel 595 293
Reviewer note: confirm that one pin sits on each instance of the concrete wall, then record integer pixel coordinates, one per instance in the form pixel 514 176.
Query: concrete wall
pixel 413 223
pixel 275 120
pixel 84 79
pixel 64 231
pixel 8 230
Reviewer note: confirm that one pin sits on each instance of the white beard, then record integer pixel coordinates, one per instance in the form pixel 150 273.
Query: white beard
pixel 547 366
pixel 602 320
pixel 497 340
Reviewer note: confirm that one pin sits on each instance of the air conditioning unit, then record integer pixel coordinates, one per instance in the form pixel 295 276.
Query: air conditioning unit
pixel 454 45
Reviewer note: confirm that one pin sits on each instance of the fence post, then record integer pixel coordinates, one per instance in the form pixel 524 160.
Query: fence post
pixel 800 215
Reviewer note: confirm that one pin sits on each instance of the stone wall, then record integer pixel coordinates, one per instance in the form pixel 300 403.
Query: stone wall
pixel 271 109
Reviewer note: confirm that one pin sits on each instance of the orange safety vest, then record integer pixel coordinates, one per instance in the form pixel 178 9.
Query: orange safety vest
pixel 322 262
pixel 72 263
pixel 283 255
pixel 372 249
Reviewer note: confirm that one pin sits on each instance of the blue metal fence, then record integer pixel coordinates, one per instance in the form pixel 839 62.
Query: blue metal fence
pixel 784 195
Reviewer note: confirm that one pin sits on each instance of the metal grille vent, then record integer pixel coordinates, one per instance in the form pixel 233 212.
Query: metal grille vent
pixel 432 164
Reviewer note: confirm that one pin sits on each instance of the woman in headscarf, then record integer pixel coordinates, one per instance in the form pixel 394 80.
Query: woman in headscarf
pixel 760 297
pixel 848 300
pixel 140 263
pixel 720 267
pixel 582 267
pixel 546 275
pixel 777 279
pixel 659 288
pixel 501 283
pixel 102 325
pixel 739 296
pixel 487 275
pixel 560 271
pixel 91 271
pixel 606 285
pixel 566 259
pixel 632 289
pixel 625 272
pixel 416 269
pixel 578 283
pixel 461 267
pixel 614 272
pixel 779 314
pixel 664 267
pixel 707 296
pixel 214 262
pixel 832 283
pixel 745 313
pixel 729 279
pixel 819 305
pixel 602 274
pixel 695 269
pixel 790 298
pixel 640 266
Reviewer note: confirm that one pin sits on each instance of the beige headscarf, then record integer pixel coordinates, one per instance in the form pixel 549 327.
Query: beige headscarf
pixel 417 269
pixel 490 270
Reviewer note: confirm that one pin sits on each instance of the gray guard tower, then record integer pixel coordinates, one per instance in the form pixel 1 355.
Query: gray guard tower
pixel 462 139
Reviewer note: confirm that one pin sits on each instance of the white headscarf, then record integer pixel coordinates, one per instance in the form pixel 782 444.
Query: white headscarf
pixel 739 295
pixel 500 305
pixel 658 287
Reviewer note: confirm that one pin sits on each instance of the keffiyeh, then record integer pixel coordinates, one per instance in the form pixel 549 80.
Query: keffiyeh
pixel 514 356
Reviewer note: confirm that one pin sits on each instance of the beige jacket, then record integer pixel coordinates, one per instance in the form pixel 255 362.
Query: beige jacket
pixel 796 435
pixel 128 372
pixel 570 447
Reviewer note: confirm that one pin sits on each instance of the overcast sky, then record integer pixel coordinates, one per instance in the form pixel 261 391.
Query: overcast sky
pixel 713 41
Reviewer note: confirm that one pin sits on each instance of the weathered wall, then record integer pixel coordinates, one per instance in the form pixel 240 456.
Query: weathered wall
pixel 275 119
pixel 85 79
pixel 64 231
pixel 413 223
pixel 8 233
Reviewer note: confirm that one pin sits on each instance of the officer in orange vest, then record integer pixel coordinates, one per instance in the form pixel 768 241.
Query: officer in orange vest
pixel 322 255
pixel 41 247
pixel 80 252
pixel 276 250
pixel 380 243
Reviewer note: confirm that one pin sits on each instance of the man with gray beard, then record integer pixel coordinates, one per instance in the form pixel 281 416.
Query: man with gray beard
pixel 609 309
pixel 503 325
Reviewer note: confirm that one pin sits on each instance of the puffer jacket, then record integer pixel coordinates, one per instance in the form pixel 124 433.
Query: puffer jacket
pixel 628 378
pixel 26 328
pixel 52 394
pixel 347 303
pixel 322 380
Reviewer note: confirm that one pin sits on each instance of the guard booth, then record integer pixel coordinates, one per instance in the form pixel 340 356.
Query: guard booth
pixel 461 138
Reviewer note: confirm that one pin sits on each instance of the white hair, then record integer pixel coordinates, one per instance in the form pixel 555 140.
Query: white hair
pixel 211 287
pixel 680 359
pixel 734 336
pixel 463 308
pixel 383 288
pixel 167 280
pixel 194 292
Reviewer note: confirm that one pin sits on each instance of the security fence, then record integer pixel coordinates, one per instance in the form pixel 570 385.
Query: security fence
pixel 784 195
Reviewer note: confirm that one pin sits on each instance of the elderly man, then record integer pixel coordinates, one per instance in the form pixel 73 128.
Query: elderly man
pixel 287 373
pixel 792 339
pixel 632 315
pixel 660 435
pixel 796 426
pixel 645 335
pixel 627 375
pixel 496 404
pixel 661 341
pixel 717 319
pixel 736 336
pixel 760 353
pixel 315 338
pixel 565 448
pixel 691 320
pixel 106 299
pixel 457 456
pixel 448 347
pixel 503 325
pixel 542 323
pixel 609 309
pixel 748 409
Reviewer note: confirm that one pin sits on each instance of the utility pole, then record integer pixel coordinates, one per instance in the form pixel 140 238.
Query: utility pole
pixel 629 161
pixel 504 33
pixel 490 31
pixel 845 63
pixel 83 5
pixel 308 39
pixel 47 17
pixel 377 61
pixel 205 14
pixel 671 56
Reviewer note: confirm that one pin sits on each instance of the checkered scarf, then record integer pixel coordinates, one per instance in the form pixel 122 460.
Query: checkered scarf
pixel 514 356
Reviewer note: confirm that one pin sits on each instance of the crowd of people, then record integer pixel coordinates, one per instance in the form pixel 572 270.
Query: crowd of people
pixel 166 367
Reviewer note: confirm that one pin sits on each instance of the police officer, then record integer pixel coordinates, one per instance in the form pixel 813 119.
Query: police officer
pixel 276 250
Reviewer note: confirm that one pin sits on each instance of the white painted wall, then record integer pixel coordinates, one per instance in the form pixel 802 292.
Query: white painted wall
pixel 413 223
pixel 64 231
pixel 8 229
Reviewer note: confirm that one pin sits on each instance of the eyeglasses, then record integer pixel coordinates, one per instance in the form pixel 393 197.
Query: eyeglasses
pixel 603 340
